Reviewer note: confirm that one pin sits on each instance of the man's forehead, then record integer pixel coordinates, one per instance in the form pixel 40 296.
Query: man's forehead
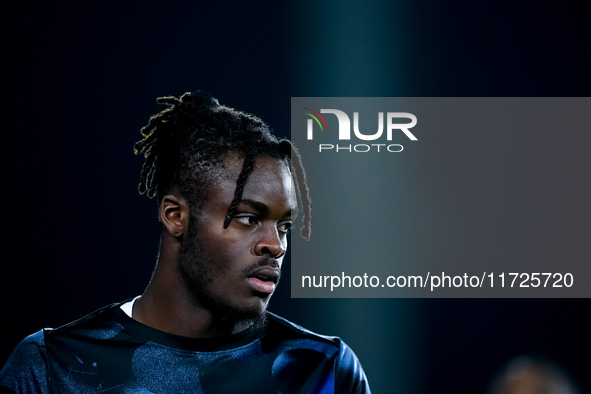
pixel 270 182
pixel 233 163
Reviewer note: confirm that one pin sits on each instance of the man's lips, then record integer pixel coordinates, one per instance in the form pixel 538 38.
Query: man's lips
pixel 264 279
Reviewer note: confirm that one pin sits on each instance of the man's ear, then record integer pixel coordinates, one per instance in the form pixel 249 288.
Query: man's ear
pixel 173 213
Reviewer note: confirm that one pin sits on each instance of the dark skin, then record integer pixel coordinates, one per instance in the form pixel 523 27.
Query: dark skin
pixel 244 260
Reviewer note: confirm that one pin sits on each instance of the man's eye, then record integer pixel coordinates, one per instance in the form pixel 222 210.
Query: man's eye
pixel 284 227
pixel 247 220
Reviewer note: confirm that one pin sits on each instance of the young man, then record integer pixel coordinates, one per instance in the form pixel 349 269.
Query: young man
pixel 228 198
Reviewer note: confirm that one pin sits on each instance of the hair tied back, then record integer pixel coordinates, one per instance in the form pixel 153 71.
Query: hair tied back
pixel 191 102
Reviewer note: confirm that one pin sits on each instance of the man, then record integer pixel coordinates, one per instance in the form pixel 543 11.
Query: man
pixel 227 201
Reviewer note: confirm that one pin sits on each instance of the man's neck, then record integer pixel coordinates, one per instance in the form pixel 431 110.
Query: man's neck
pixel 167 305
pixel 174 313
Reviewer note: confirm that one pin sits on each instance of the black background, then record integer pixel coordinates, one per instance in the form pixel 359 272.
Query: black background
pixel 80 80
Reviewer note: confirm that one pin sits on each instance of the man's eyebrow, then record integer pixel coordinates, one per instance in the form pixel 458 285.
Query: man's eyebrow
pixel 263 208
pixel 259 206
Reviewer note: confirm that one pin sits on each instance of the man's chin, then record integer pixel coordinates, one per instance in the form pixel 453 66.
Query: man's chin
pixel 258 321
pixel 233 318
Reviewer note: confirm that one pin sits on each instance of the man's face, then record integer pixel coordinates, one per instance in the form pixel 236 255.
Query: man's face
pixel 233 272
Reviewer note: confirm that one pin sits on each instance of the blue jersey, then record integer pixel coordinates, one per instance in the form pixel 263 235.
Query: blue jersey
pixel 109 352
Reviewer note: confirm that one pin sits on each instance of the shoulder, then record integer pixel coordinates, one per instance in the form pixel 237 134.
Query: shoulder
pixel 29 369
pixel 98 319
pixel 349 376
pixel 25 370
pixel 278 323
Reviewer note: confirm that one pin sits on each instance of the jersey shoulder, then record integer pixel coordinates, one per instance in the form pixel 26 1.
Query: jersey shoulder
pixel 349 376
pixel 97 319
pixel 279 323
pixel 26 369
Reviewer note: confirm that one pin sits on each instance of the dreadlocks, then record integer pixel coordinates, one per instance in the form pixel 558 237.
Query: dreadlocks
pixel 184 146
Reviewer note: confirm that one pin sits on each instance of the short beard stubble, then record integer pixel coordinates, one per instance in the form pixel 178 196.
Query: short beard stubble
pixel 195 266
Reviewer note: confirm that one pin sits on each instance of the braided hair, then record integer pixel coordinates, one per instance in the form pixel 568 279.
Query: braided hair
pixel 184 146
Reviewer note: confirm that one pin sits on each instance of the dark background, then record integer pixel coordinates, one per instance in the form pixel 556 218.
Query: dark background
pixel 80 80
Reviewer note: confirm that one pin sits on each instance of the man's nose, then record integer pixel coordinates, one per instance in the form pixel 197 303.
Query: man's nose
pixel 271 243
